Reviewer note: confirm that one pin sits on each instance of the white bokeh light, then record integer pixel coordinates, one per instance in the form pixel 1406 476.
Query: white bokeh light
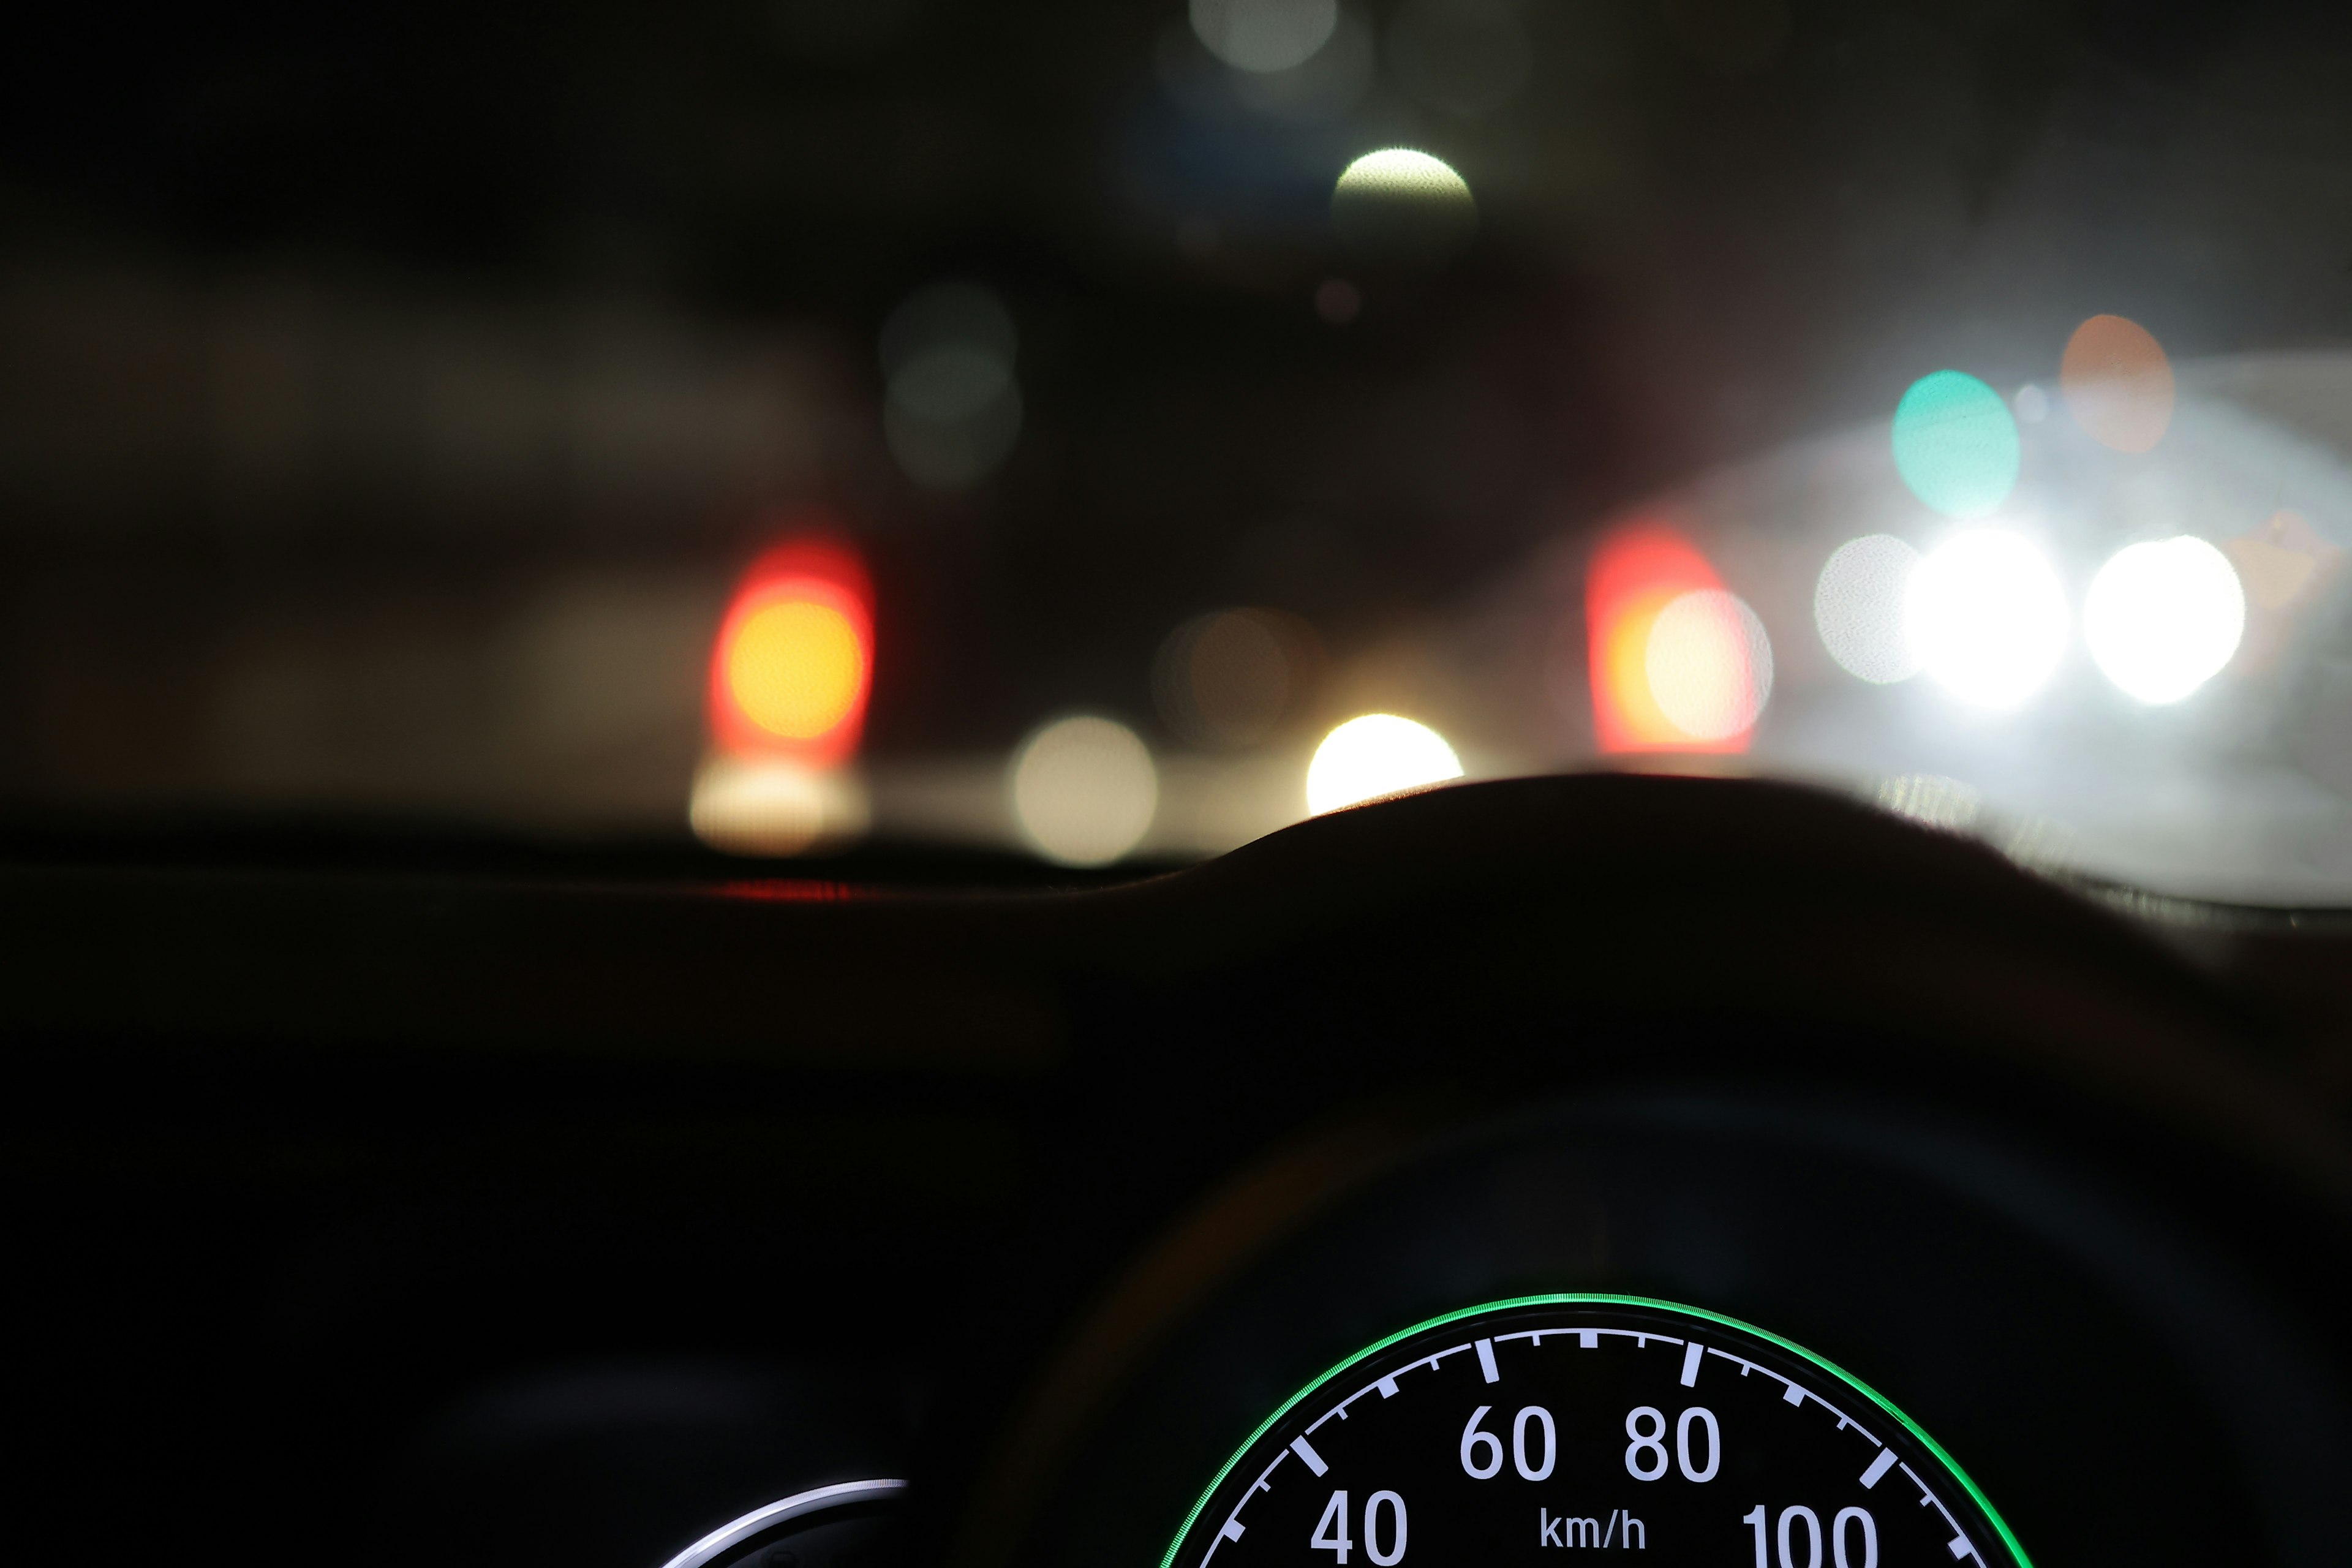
pixel 1374 755
pixel 764 805
pixel 1709 664
pixel 1085 791
pixel 1858 608
pixel 1402 208
pixel 1265 35
pixel 1405 174
pixel 1987 618
pixel 2161 619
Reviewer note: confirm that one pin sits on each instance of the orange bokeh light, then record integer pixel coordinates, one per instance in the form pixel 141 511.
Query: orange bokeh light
pixel 793 661
pixel 2285 565
pixel 2119 382
pixel 1635 572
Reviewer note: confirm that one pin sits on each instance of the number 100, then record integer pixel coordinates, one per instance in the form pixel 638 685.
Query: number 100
pixel 1798 1522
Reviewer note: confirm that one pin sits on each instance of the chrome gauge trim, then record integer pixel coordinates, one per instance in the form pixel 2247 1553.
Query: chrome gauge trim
pixel 728 1536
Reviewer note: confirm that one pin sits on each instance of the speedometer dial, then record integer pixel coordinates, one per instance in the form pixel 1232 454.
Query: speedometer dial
pixel 1536 1432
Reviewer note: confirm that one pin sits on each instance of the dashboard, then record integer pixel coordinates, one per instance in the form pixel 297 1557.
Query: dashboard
pixel 1689 1170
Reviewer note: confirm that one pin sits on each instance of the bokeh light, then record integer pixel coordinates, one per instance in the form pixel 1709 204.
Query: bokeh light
pixel 952 408
pixel 1084 790
pixel 1858 608
pixel 2280 560
pixel 1709 664
pixel 2162 619
pixel 776 805
pixel 1985 614
pixel 1402 208
pixel 954 311
pixel 1403 174
pixel 1636 573
pixel 1321 90
pixel 793 660
pixel 1338 302
pixel 1225 679
pixel 2119 382
pixel 1374 755
pixel 1956 444
pixel 2282 565
pixel 1265 35
pixel 795 668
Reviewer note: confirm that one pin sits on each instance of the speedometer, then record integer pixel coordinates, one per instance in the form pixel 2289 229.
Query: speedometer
pixel 1536 1432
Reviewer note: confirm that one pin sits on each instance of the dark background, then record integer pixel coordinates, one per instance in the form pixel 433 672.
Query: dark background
pixel 377 380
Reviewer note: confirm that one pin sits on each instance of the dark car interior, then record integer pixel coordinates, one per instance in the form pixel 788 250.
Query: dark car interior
pixel 542 1219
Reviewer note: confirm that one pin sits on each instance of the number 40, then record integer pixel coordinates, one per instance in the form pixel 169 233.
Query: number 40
pixel 1331 1529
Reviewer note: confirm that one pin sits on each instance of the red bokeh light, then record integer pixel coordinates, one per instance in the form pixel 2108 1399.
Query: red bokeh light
pixel 792 664
pixel 1637 570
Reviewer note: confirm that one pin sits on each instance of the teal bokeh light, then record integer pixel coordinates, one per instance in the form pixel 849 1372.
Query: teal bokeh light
pixel 1956 444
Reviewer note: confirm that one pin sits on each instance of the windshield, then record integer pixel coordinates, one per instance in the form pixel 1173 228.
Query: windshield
pixel 1115 431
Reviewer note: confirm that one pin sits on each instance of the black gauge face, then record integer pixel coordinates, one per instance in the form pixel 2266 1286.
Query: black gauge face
pixel 1538 1431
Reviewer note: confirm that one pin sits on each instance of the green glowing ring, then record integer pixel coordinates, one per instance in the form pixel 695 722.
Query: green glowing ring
pixel 2008 1539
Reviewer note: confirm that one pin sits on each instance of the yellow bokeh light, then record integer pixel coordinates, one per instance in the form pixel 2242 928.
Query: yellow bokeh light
pixel 1406 174
pixel 796 669
pixel 1400 207
pixel 1374 755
